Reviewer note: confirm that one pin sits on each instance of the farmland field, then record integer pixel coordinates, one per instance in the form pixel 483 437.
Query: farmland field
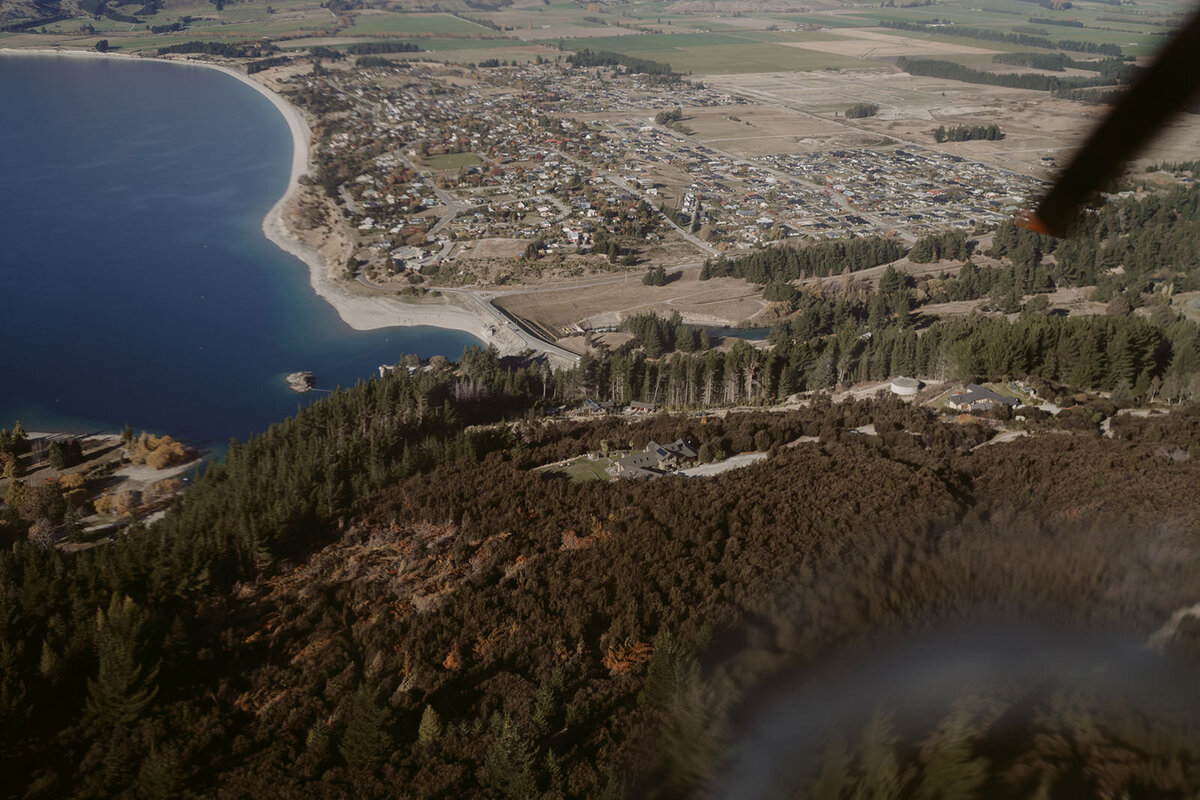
pixel 712 53
pixel 375 24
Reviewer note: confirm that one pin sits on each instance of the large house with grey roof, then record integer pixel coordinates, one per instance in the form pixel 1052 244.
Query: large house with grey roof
pixel 655 461
pixel 979 398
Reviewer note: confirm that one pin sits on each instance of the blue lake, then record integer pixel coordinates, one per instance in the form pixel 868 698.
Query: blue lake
pixel 135 282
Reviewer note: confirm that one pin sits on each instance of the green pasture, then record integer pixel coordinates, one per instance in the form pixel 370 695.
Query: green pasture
pixel 268 26
pixel 442 45
pixel 411 25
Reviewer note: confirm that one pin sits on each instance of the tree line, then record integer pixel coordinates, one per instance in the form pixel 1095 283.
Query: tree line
pixel 607 58
pixel 782 264
pixel 1022 80
pixel 224 49
pixel 1066 23
pixel 1019 39
pixel 658 335
pixel 377 48
pixel 939 247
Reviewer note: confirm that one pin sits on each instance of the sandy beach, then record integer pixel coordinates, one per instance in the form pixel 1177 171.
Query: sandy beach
pixel 358 311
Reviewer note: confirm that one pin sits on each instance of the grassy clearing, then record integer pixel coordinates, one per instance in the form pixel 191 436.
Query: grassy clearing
pixel 412 24
pixel 270 26
pixel 584 469
pixel 437 45
pixel 452 161
pixel 736 59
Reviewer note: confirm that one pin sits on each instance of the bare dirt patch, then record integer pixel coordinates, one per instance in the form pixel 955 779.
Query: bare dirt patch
pixel 721 301
pixel 1188 304
pixel 498 248
pixel 1036 125
pixel 756 129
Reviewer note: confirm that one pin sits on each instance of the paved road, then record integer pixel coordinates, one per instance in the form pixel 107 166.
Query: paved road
pixel 453 207
pixel 617 180
pixel 501 320
pixel 704 470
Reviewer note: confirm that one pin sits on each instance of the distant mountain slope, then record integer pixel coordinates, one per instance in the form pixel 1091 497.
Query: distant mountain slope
pixel 15 11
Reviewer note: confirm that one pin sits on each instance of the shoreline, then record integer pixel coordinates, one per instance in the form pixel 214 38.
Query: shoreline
pixel 358 312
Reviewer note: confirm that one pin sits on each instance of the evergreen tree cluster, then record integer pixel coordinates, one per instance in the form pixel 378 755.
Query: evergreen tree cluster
pixel 14 442
pixel 378 62
pixel 64 453
pixel 964 133
pixel 1177 166
pixel 267 63
pixel 669 116
pixel 327 53
pixel 1019 39
pixel 782 264
pixel 860 110
pixel 224 49
pixel 606 58
pixel 939 247
pixel 1055 62
pixel 952 70
pixel 1066 23
pixel 655 276
pixel 378 48
pixel 658 335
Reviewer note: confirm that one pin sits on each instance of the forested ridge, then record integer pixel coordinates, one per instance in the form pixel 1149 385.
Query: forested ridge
pixel 382 597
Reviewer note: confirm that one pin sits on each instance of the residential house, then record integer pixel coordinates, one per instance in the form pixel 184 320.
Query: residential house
pixel 979 398
pixel 656 460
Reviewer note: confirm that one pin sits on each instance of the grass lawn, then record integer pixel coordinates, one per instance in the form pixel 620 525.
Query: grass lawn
pixel 1008 390
pixel 452 161
pixel 581 469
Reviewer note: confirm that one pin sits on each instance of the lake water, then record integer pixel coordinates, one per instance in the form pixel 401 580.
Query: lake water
pixel 135 282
